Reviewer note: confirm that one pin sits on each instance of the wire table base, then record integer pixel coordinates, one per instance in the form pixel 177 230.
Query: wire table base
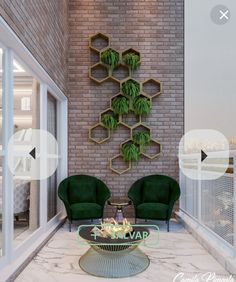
pixel 116 264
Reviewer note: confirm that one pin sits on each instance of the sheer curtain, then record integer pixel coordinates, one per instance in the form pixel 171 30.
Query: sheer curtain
pixel 52 180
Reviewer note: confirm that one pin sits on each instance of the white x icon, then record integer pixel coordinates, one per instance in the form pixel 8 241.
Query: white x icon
pixel 224 14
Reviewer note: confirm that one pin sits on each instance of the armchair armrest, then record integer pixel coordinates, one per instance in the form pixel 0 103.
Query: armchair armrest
pixel 103 193
pixel 175 194
pixel 135 193
pixel 62 194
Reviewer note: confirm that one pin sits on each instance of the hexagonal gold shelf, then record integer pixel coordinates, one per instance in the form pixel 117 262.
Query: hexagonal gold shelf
pixel 122 165
pixel 140 127
pixel 94 57
pixel 96 135
pixel 152 150
pixel 99 41
pixel 112 98
pixel 152 87
pixel 121 72
pixel 131 119
pixel 107 111
pixel 131 50
pixel 109 67
pixel 127 79
pixel 149 89
pixel 126 141
pixel 99 72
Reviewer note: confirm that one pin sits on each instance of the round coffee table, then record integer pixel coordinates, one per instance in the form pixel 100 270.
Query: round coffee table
pixel 114 258
pixel 119 204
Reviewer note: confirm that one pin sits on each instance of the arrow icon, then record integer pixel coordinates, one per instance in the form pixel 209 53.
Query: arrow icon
pixel 33 153
pixel 203 156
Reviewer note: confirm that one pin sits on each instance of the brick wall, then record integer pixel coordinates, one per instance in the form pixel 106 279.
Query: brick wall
pixel 42 27
pixel 155 28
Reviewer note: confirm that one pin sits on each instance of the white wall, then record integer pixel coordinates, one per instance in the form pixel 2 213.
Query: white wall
pixel 210 68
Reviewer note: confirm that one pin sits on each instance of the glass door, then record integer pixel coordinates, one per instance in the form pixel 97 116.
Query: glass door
pixel 26 194
pixel 52 180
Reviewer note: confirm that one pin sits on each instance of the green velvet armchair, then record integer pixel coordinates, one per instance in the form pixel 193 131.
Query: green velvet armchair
pixel 154 196
pixel 84 197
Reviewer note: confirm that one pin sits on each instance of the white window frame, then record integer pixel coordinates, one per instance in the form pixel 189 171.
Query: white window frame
pixel 13 257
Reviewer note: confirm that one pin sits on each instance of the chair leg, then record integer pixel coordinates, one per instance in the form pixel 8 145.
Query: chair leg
pixel 70 221
pixel 168 225
pixel 91 219
pixel 135 220
pixel 145 220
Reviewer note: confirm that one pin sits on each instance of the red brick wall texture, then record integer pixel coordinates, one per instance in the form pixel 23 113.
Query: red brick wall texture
pixel 42 27
pixel 154 27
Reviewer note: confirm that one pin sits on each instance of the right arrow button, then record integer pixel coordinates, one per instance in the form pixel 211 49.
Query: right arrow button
pixel 203 155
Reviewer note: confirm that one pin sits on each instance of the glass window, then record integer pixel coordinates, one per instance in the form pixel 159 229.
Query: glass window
pixel 1 162
pixel 52 180
pixel 26 117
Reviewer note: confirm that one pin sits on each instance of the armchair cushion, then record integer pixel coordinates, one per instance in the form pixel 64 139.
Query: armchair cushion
pixel 86 210
pixel 152 211
pixel 155 192
pixel 82 191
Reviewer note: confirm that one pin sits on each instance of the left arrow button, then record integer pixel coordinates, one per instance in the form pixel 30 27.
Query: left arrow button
pixel 33 153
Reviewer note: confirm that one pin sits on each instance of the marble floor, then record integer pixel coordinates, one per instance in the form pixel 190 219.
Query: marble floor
pixel 177 252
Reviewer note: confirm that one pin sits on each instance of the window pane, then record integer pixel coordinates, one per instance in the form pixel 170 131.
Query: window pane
pixel 1 162
pixel 26 118
pixel 52 181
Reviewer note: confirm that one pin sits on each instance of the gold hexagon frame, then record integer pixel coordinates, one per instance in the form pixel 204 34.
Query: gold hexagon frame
pixel 155 84
pixel 105 40
pixel 98 66
pixel 91 129
pixel 111 165
pixel 152 156
pixel 116 70
pixel 129 50
pixel 104 45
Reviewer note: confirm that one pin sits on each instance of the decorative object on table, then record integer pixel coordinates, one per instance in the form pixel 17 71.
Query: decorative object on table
pixel 114 257
pixel 84 197
pixel 119 204
pixel 154 197
pixel 134 98
pixel 112 229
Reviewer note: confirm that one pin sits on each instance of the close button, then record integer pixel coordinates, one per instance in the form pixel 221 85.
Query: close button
pixel 220 14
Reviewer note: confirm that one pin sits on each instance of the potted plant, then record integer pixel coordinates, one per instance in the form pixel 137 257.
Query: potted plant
pixel 132 60
pixel 141 138
pixel 110 57
pixel 131 88
pixel 120 105
pixel 141 106
pixel 109 121
pixel 130 152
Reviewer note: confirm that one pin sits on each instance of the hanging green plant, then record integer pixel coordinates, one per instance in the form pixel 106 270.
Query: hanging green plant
pixel 141 106
pixel 110 57
pixel 132 60
pixel 131 88
pixel 109 121
pixel 120 105
pixel 130 152
pixel 141 138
